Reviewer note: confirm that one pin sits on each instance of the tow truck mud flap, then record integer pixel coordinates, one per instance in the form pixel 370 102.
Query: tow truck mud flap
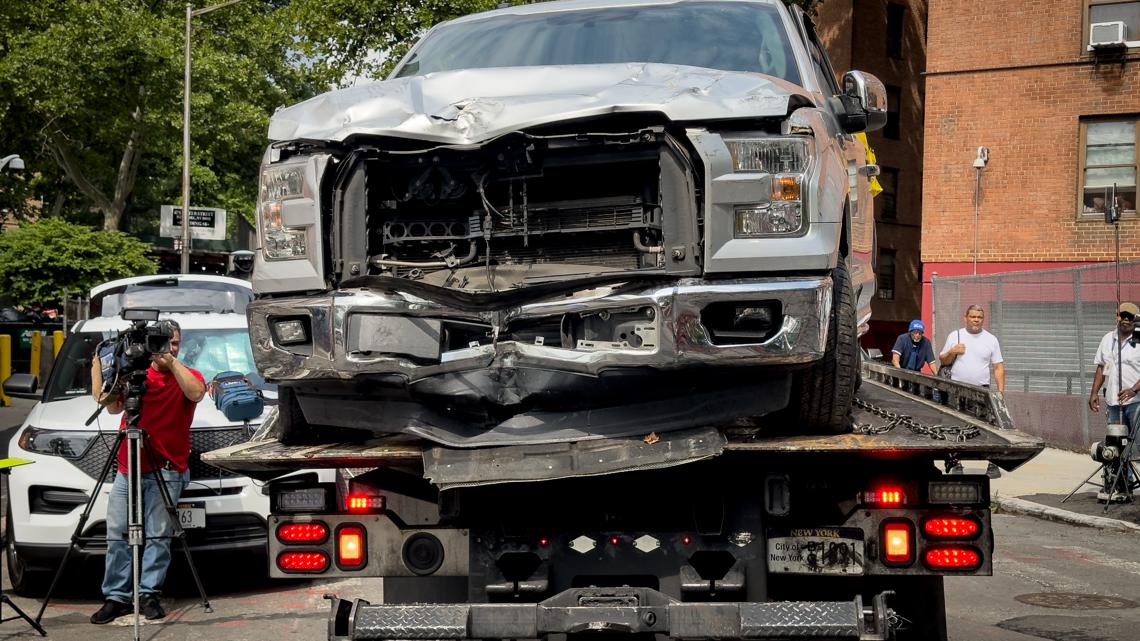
pixel 614 611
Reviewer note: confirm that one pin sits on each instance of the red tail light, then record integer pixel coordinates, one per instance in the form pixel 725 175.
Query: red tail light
pixel 898 544
pixel 302 532
pixel 953 558
pixel 884 496
pixel 350 552
pixel 951 527
pixel 359 503
pixel 303 561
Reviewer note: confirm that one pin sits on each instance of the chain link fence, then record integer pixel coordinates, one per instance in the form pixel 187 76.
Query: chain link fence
pixel 1049 324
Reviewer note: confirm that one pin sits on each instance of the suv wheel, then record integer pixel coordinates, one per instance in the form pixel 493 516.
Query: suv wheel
pixel 822 394
pixel 25 581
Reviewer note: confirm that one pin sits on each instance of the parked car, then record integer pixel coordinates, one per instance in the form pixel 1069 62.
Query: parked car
pixel 47 498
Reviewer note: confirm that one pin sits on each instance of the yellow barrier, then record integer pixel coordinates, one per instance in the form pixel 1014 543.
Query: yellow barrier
pixel 5 366
pixel 37 344
pixel 56 342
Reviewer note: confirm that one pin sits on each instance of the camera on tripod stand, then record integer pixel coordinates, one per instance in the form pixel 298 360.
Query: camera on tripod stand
pixel 1112 447
pixel 132 349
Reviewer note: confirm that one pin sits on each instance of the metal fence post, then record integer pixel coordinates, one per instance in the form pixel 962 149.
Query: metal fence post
pixel 1079 303
pixel 5 366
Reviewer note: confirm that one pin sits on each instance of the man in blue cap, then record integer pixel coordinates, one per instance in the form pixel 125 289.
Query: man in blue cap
pixel 913 350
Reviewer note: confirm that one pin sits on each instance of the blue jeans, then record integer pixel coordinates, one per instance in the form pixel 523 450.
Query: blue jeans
pixel 157 528
pixel 1128 416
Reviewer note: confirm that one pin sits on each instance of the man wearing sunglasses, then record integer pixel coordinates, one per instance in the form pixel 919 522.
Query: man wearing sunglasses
pixel 1118 371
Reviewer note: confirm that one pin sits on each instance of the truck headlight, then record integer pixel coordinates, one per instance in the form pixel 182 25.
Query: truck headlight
pixel 787 159
pixel 280 187
pixel 70 445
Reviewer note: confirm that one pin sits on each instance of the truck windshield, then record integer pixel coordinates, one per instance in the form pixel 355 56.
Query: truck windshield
pixel 208 351
pixel 717 35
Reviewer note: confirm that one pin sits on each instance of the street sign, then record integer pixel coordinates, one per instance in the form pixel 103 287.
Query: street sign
pixel 206 223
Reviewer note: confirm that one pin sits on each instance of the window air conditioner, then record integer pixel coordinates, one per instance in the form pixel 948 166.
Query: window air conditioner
pixel 1106 35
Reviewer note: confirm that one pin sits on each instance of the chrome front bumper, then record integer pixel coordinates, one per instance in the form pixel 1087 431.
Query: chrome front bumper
pixel 681 341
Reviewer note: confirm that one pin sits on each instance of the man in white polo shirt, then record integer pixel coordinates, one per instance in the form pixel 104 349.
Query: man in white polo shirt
pixel 1118 372
pixel 971 350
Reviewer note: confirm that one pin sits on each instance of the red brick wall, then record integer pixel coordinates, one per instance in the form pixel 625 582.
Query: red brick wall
pixel 1010 76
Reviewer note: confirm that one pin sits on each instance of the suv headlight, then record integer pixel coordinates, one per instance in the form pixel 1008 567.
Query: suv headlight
pixel 787 159
pixel 283 188
pixel 71 445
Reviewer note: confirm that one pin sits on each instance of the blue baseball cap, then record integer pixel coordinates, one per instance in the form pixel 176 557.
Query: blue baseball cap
pixel 916 324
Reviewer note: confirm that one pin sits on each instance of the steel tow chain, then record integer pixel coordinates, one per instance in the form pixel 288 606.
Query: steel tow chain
pixel 955 433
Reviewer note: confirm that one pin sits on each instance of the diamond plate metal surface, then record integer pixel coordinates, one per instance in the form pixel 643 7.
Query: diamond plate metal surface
pixel 646 543
pixel 411 622
pixel 829 619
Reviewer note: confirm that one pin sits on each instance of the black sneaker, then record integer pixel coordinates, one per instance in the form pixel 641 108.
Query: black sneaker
pixel 150 608
pixel 110 611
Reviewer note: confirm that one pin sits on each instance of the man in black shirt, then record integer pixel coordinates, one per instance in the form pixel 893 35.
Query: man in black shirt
pixel 913 350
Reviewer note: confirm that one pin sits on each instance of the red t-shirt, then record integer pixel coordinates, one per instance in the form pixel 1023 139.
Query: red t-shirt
pixel 166 416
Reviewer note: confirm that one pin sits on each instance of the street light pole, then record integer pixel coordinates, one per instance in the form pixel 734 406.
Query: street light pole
pixel 190 13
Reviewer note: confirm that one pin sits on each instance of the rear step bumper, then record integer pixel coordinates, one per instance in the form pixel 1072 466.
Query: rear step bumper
pixel 611 611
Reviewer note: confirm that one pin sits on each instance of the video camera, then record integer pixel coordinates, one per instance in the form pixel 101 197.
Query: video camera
pixel 131 350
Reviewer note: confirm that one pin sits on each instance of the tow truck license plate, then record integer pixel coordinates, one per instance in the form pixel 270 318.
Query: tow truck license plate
pixel 192 516
pixel 816 551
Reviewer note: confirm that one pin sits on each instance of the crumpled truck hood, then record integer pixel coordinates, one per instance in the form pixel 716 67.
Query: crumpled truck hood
pixel 475 105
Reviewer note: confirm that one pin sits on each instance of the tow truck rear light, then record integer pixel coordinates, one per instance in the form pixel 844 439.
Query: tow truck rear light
pixel 898 542
pixel 350 551
pixel 307 562
pixel 953 558
pixel 954 493
pixel 364 503
pixel 886 496
pixel 951 527
pixel 302 532
pixel 291 500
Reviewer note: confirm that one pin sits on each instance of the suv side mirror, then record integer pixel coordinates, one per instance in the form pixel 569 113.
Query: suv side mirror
pixel 864 101
pixel 21 386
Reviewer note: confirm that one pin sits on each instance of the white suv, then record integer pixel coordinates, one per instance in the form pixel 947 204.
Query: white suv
pixel 48 498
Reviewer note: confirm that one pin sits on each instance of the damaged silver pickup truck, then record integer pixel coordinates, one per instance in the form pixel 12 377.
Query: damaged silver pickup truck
pixel 570 220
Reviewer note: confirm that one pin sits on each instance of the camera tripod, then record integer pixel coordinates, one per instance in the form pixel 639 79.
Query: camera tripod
pixel 1116 477
pixel 134 436
pixel 6 466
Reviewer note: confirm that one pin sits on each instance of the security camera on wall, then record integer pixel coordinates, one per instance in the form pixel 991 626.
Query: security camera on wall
pixel 983 158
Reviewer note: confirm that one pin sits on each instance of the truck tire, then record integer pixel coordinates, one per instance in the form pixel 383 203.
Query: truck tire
pixel 822 394
pixel 25 581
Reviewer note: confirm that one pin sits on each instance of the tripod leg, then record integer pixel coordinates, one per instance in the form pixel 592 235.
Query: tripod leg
pixel 179 531
pixel 1084 483
pixel 20 614
pixel 112 459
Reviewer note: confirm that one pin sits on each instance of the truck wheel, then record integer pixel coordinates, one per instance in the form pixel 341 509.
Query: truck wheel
pixel 25 581
pixel 824 391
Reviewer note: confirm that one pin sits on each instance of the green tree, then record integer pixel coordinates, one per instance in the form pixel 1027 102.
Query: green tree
pixel 40 262
pixel 95 89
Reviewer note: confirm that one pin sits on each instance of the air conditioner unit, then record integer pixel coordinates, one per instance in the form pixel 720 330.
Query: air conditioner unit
pixel 1106 35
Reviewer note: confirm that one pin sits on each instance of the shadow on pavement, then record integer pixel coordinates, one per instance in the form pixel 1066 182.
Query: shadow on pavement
pixel 1086 503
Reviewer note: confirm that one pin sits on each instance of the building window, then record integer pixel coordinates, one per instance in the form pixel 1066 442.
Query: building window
pixel 894 96
pixel 895 17
pixel 885 201
pixel 1108 153
pixel 1109 11
pixel 886 274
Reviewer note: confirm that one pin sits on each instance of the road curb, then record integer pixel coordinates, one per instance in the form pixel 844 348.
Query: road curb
pixel 1029 508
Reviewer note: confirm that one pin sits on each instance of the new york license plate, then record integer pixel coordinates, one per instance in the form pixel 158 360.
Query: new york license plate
pixel 192 515
pixel 816 551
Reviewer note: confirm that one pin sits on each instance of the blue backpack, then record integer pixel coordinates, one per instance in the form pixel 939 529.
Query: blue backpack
pixel 236 397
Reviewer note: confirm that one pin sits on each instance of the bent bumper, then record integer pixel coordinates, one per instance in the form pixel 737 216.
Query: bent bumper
pixel 363 332
pixel 612 611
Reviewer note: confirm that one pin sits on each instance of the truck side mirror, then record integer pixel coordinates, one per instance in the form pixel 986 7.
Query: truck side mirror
pixel 864 101
pixel 21 386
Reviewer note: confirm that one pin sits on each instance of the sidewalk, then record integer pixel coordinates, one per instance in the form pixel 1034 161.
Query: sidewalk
pixel 1037 488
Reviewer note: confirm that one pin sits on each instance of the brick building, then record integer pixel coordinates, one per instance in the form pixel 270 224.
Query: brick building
pixel 887 38
pixel 1060 123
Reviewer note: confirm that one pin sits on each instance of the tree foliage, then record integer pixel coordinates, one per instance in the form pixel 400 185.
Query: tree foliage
pixel 40 262
pixel 95 90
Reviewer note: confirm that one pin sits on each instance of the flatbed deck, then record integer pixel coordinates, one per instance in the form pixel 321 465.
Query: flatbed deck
pixel 964 406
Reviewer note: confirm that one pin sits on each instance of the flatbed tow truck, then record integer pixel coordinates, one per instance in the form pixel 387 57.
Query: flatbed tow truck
pixel 724 532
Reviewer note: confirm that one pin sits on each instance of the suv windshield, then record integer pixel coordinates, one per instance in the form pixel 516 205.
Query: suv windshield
pixel 729 36
pixel 209 351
